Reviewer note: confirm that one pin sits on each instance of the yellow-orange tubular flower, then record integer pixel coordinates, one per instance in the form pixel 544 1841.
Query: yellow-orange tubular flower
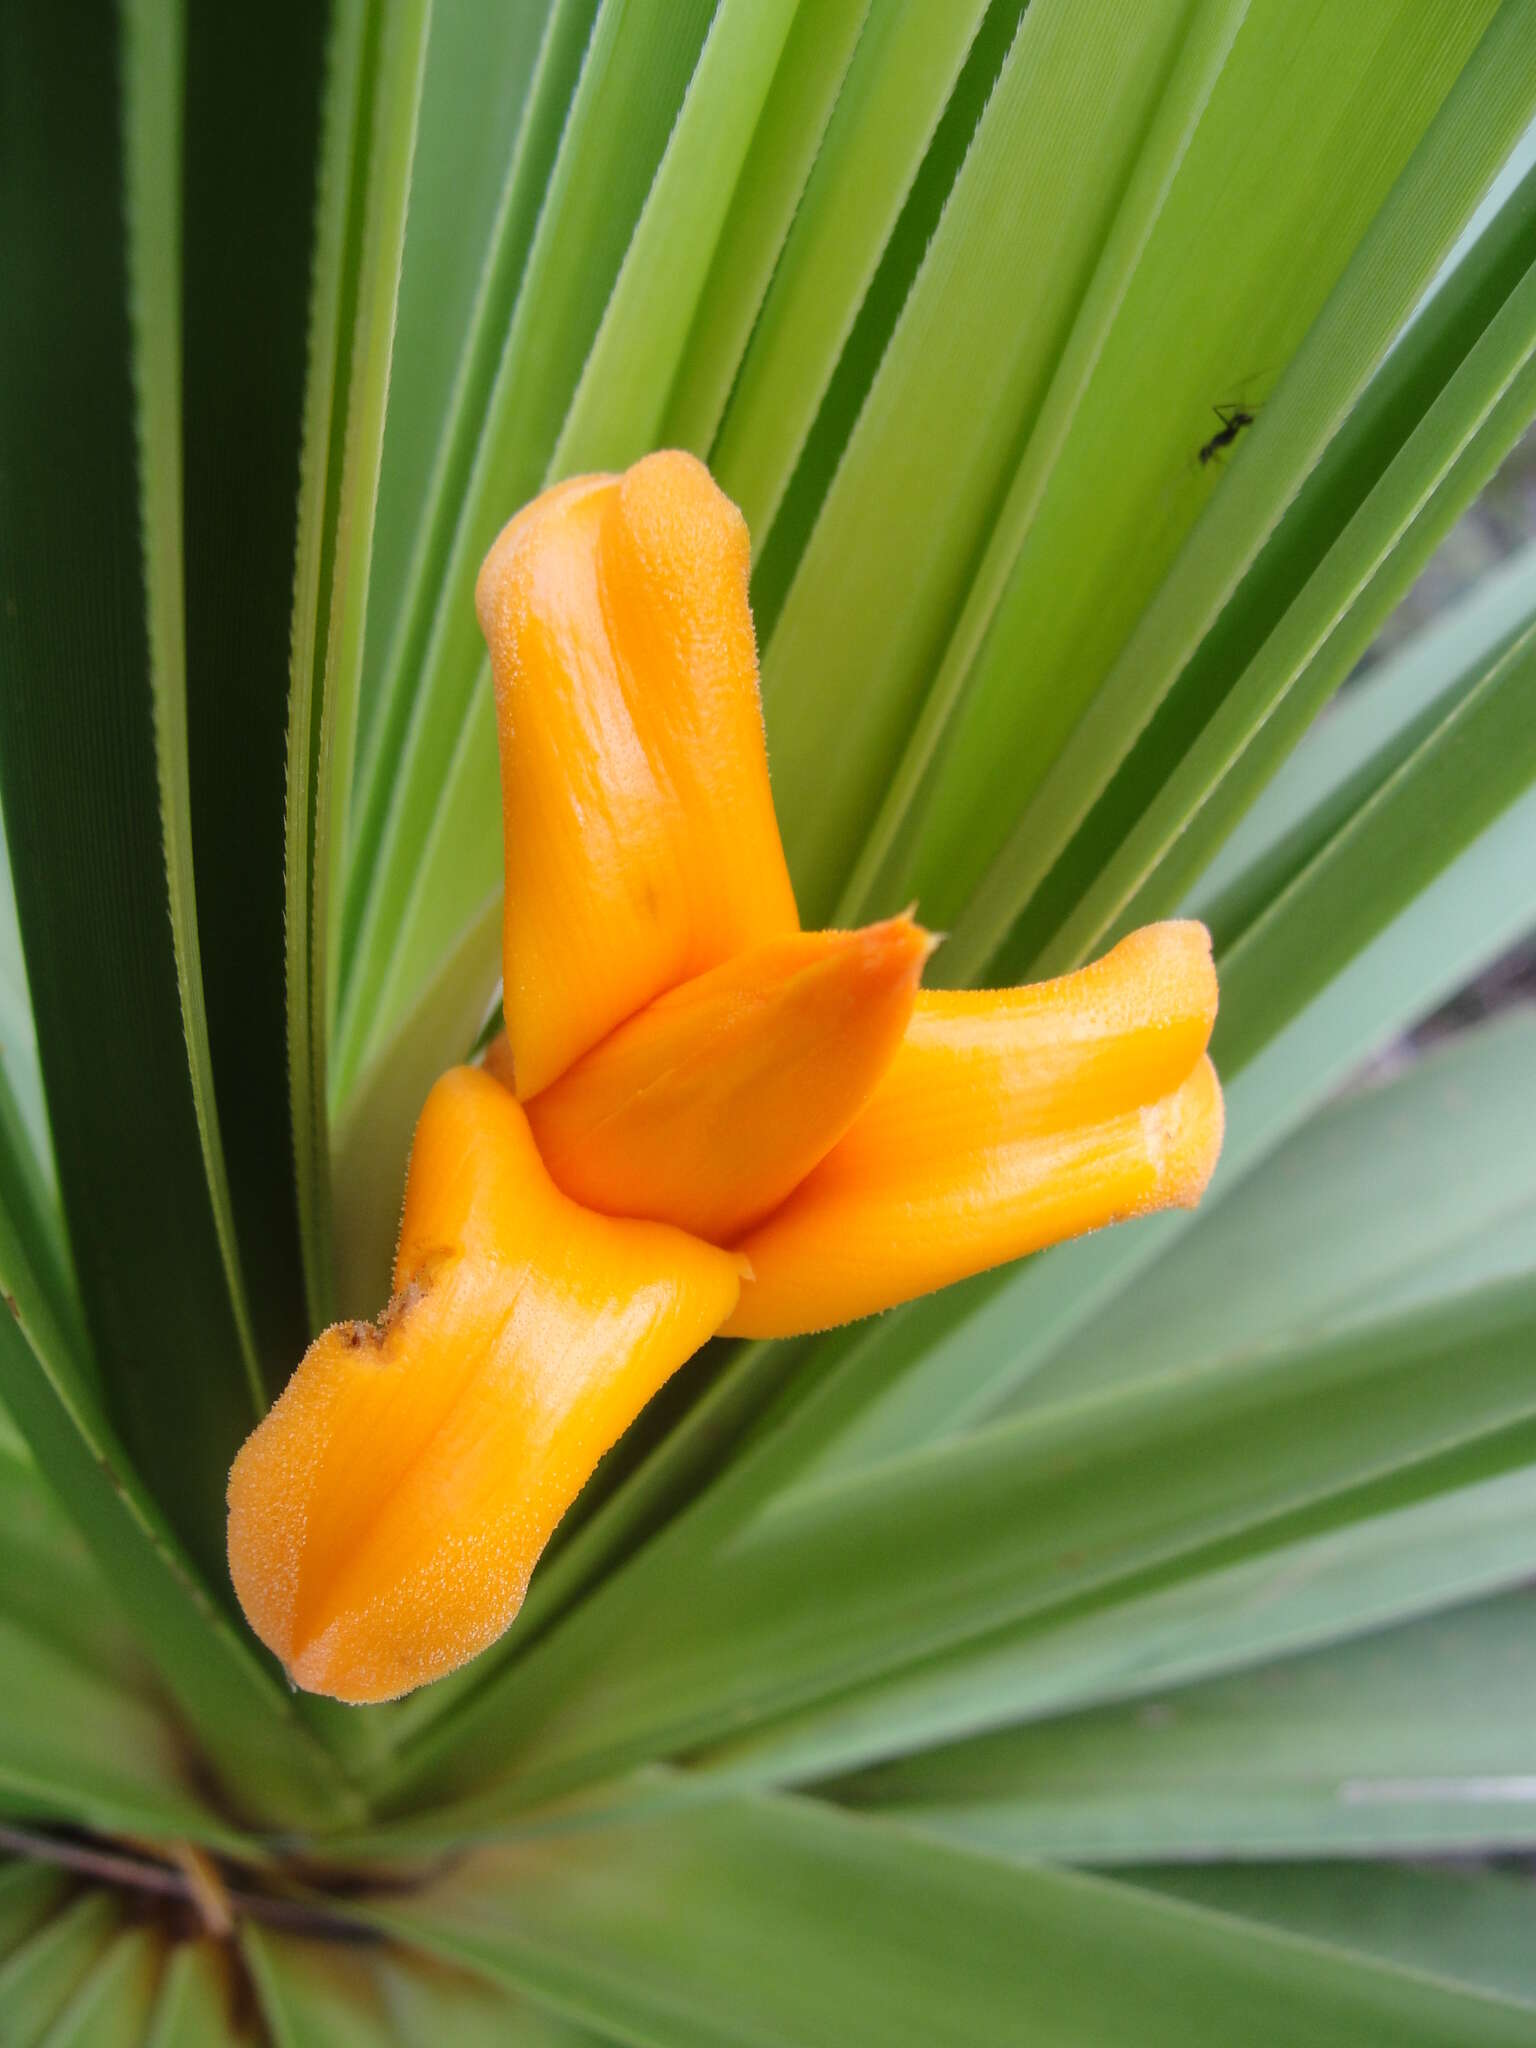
pixel 699 1118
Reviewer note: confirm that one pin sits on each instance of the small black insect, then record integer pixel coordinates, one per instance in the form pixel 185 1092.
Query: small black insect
pixel 1233 420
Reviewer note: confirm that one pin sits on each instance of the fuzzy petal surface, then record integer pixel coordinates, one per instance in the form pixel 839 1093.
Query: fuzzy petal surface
pixel 640 837
pixel 384 1518
pixel 1009 1120
pixel 713 1103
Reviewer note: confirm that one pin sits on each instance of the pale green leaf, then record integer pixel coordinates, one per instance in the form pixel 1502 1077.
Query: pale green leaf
pixel 760 1923
pixel 808 86
pixel 1283 1588
pixel 1138 544
pixel 1359 1209
pixel 315 1991
pixel 374 86
pixel 633 79
pixel 906 512
pixel 1321 781
pixel 1466 1926
pixel 476 96
pixel 838 1583
pixel 425 506
pixel 615 415
pixel 889 107
pixel 1480 414
pixel 1381 1747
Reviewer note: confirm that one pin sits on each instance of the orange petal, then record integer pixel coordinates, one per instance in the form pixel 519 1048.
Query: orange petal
pixel 385 1517
pixel 1007 1121
pixel 641 845
pixel 712 1104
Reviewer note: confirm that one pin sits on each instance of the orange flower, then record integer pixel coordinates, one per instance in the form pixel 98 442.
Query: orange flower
pixel 699 1118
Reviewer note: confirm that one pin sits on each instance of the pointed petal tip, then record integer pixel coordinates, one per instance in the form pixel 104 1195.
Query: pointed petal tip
pixel 707 1108
pixel 1011 1119
pixel 897 948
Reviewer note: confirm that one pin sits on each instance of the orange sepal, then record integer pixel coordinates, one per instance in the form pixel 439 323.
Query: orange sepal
pixel 641 844
pixel 1008 1120
pixel 712 1104
pixel 385 1517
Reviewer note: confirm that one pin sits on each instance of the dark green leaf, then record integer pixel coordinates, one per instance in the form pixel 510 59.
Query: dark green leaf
pixel 79 782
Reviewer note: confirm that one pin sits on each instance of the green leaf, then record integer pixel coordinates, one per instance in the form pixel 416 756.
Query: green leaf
pixel 198 2000
pixel 374 87
pixel 1372 724
pixel 153 67
pixel 1481 412
pixel 1468 768
pixel 905 514
pixel 1129 559
pixel 315 1991
pixel 1379 1747
pixel 475 91
pixel 1361 1211
pixel 392 667
pixel 84 1733
pixel 838 1583
pixel 35 1266
pixel 762 1922
pixel 77 1745
pixel 80 786
pixel 29 1893
pixel 890 105
pixel 113 2005
pixel 1372 1557
pixel 633 80
pixel 808 88
pixel 244 1718
pixel 1467 1927
pixel 429 2002
pixel 38 1979
pixel 372 1141
pixel 248 144
pixel 615 415
pixel 1206 48
pixel 20 1073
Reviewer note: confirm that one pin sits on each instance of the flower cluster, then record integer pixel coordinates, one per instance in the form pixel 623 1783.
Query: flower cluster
pixel 699 1119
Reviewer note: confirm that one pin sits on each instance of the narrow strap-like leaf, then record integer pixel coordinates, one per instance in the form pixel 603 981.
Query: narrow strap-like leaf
pixel 1378 1747
pixel 154 65
pixel 248 128
pixel 633 78
pixel 778 1921
pixel 1462 1926
pixel 1434 160
pixel 81 787
pixel 373 91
